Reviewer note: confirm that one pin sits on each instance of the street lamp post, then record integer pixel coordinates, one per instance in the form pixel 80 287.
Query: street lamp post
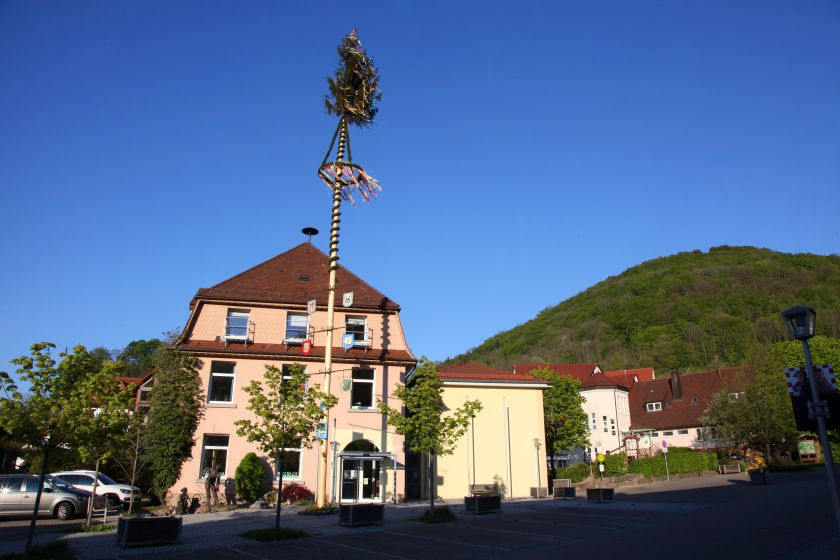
pixel 800 322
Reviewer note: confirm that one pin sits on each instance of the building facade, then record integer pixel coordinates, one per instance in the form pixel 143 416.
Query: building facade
pixel 264 316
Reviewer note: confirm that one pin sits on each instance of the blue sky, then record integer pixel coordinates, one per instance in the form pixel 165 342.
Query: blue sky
pixel 526 151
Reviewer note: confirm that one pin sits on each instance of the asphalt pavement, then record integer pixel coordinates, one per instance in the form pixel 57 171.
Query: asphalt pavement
pixel 719 516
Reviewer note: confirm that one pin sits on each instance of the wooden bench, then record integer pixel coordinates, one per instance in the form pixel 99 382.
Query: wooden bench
pixel 484 498
pixel 729 469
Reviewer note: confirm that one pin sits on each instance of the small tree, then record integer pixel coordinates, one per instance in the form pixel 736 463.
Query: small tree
pixel 250 477
pixel 566 425
pixel 287 416
pixel 176 405
pixel 421 421
pixel 130 456
pixel 43 419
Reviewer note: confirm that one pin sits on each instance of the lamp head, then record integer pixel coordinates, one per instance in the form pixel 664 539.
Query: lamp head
pixel 800 321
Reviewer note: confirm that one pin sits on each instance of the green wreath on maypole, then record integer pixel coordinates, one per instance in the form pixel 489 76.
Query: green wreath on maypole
pixel 354 92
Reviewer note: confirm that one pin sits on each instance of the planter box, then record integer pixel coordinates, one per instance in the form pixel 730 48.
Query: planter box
pixel 600 494
pixel 729 469
pixel 148 531
pixel 483 504
pixel 541 492
pixel 565 493
pixel 355 515
pixel 758 477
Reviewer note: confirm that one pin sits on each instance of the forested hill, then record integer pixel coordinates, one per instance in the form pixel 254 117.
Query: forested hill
pixel 689 311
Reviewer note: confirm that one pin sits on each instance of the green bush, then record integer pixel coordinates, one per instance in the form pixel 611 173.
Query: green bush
pixel 680 460
pixel 576 472
pixel 250 478
pixel 441 515
pixel 616 465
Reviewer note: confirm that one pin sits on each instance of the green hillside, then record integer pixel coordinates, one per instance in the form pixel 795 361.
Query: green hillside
pixel 689 311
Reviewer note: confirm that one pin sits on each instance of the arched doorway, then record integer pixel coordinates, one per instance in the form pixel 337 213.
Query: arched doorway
pixel 361 472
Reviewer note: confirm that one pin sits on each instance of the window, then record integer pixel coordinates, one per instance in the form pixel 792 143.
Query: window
pixel 214 453
pixel 289 462
pixel 653 406
pixel 287 374
pixel 668 404
pixel 736 396
pixel 357 326
pixel 361 395
pixel 297 326
pixel 654 434
pixel 682 432
pixel 236 327
pixel 693 400
pixel 667 433
pixel 221 382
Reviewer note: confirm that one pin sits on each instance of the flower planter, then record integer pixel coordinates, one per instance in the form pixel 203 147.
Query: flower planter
pixel 600 494
pixel 758 477
pixel 148 531
pixel 483 504
pixel 355 515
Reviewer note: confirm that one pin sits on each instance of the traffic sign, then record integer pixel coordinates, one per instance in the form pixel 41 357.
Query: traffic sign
pixel 601 467
pixel 601 457
pixel 664 446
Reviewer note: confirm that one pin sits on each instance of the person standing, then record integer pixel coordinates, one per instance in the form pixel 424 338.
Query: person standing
pixel 211 488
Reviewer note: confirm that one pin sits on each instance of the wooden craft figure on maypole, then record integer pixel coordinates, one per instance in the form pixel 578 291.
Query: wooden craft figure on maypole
pixel 353 94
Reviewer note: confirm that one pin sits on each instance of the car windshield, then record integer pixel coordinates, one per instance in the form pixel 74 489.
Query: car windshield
pixel 58 483
pixel 105 479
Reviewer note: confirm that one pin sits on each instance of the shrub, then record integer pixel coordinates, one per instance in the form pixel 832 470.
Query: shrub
pixel 576 472
pixel 680 460
pixel 616 465
pixel 250 478
pixel 295 492
pixel 441 515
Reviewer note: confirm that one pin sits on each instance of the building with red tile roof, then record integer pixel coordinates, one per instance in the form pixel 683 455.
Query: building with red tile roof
pixel 631 376
pixel 498 446
pixel 670 409
pixel 262 317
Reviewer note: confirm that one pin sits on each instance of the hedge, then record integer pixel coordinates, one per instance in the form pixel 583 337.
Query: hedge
pixel 680 460
pixel 576 472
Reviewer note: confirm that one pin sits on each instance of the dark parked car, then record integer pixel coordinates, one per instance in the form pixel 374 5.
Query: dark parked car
pixel 18 492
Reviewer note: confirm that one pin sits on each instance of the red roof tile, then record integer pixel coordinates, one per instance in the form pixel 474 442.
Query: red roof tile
pixel 281 351
pixel 589 375
pixel 681 413
pixel 281 280
pixel 630 376
pixel 477 372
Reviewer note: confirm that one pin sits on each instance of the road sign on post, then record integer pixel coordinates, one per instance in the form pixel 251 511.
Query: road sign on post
pixel 321 432
pixel 665 454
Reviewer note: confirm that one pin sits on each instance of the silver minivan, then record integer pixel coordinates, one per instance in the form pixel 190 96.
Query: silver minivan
pixel 18 492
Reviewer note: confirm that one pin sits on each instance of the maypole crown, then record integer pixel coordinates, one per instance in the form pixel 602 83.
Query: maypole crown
pixel 353 94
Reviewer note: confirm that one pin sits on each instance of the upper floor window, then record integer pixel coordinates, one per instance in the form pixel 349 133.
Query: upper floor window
pixel 236 327
pixel 297 326
pixel 221 382
pixel 653 406
pixel 357 326
pixel 361 394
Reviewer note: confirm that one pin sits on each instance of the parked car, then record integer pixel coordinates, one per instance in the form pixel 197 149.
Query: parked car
pixel 18 493
pixel 115 492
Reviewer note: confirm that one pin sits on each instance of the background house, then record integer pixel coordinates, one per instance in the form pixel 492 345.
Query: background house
pixel 259 318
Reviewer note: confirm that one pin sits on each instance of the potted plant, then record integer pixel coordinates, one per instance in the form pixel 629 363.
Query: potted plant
pixel 756 467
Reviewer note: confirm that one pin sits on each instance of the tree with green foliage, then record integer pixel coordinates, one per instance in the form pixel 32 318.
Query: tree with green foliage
pixel 250 478
pixel 139 356
pixel 57 411
pixel 100 406
pixel 566 425
pixel 130 455
pixel 176 406
pixel 422 420
pixel 288 414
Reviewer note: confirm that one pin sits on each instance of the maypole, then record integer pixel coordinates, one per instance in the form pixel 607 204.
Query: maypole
pixel 353 94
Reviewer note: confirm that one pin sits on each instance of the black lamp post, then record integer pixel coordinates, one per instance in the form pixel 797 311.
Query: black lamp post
pixel 800 322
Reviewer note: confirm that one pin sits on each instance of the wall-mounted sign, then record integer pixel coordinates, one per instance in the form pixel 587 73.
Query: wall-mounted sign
pixel 347 341
pixel 321 432
pixel 306 347
pixel 347 299
pixel 311 305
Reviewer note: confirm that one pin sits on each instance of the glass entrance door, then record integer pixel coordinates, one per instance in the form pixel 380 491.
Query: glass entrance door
pixel 370 480
pixel 360 480
pixel 350 481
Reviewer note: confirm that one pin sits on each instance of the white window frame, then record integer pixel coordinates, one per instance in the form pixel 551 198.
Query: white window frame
pixel 653 406
pixel 736 396
pixel 237 313
pixel 232 377
pixel 205 447
pixel 284 376
pixel 292 339
pixel 668 433
pixel 356 342
pixel 682 432
pixel 371 382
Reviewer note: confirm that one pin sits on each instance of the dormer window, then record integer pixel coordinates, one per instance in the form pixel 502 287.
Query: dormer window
pixel 653 406
pixel 693 400
pixel 297 326
pixel 236 327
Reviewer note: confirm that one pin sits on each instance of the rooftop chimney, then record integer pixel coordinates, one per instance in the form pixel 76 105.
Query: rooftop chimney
pixel 676 386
